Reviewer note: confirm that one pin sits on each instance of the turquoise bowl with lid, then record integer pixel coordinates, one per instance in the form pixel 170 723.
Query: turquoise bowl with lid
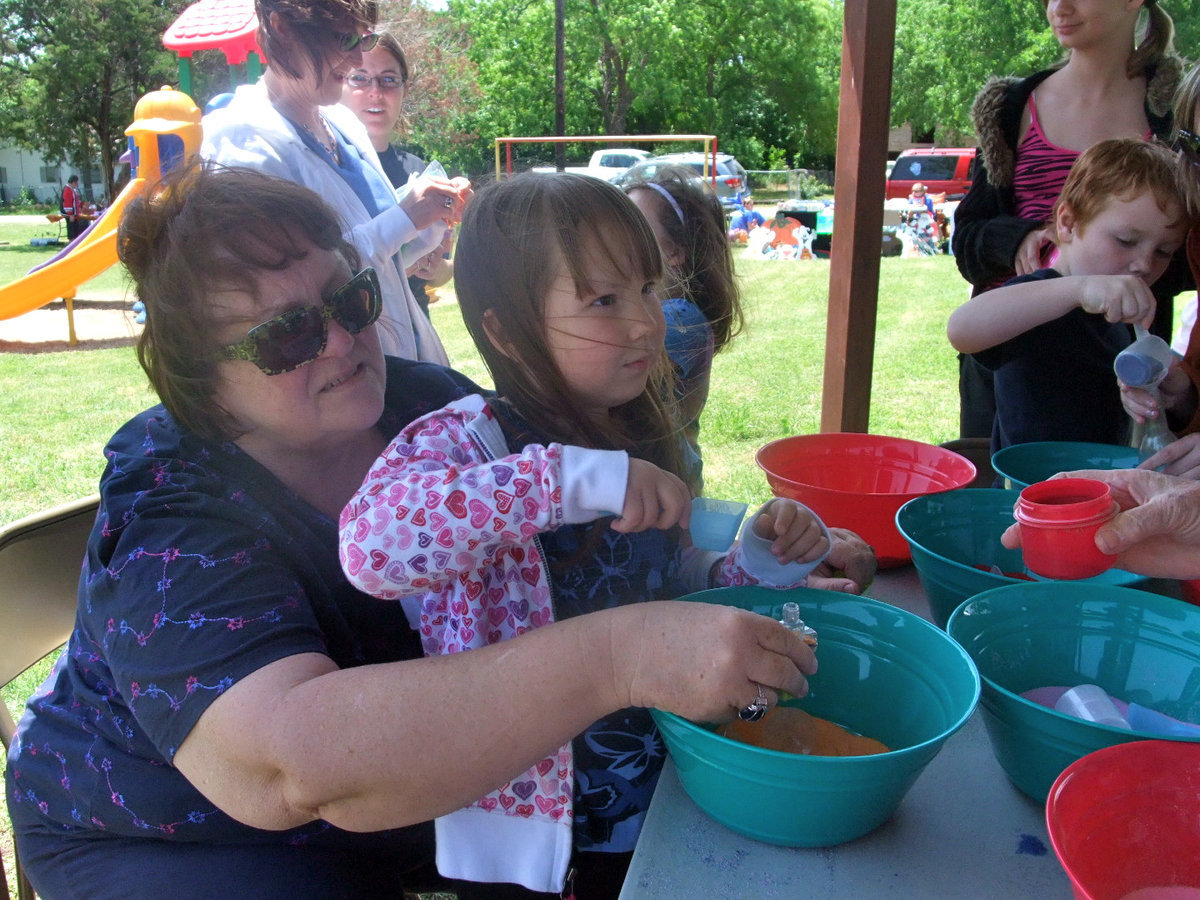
pixel 955 541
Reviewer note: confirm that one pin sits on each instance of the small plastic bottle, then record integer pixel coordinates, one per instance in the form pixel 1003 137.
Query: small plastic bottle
pixel 1156 436
pixel 1092 704
pixel 792 621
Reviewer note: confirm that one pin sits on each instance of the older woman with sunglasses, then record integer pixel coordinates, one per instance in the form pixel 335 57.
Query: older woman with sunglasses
pixel 290 124
pixel 231 718
pixel 1178 396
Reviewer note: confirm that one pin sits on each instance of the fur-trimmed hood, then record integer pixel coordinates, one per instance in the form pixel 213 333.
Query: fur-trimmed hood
pixel 996 113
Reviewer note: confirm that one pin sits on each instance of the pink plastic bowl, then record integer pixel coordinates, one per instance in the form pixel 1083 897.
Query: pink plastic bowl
pixel 1059 519
pixel 1125 822
pixel 859 481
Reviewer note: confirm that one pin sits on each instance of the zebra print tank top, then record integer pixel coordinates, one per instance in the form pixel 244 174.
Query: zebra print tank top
pixel 1040 171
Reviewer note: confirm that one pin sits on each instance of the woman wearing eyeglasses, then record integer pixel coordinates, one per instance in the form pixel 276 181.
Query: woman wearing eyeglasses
pixel 376 92
pixel 1178 396
pixel 290 124
pixel 231 719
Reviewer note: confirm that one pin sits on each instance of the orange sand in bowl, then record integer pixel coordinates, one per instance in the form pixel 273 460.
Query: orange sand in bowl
pixel 795 731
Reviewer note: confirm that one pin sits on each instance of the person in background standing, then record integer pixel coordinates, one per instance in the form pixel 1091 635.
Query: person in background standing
pixel 376 91
pixel 920 197
pixel 72 208
pixel 745 220
pixel 290 124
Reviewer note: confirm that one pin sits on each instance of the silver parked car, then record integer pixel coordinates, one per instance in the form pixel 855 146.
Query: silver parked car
pixel 732 184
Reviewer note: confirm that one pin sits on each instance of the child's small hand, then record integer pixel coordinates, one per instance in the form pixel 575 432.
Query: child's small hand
pixel 1173 393
pixel 1119 298
pixel 653 499
pixel 794 532
pixel 1139 403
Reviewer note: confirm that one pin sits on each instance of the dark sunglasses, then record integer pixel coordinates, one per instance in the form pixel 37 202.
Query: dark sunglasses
pixel 348 40
pixel 1188 144
pixel 298 336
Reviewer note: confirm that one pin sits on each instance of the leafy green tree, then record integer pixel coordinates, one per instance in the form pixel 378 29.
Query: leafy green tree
pixel 442 79
pixel 758 74
pixel 76 71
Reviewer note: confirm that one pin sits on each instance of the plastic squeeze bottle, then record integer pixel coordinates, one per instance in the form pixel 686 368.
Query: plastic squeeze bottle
pixel 1155 436
pixel 792 621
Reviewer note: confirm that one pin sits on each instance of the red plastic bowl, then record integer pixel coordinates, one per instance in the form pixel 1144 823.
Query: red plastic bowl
pixel 859 481
pixel 1125 820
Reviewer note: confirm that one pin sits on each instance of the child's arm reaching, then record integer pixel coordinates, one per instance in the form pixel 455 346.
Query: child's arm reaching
pixel 999 315
pixel 434 505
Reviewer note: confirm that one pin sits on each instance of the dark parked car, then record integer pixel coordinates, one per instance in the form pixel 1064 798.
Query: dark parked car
pixel 732 184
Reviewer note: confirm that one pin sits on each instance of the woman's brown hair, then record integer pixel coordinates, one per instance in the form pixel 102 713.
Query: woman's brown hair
pixel 205 230
pixel 517 235
pixel 311 22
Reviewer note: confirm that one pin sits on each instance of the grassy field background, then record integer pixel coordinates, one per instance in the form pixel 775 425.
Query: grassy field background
pixel 58 409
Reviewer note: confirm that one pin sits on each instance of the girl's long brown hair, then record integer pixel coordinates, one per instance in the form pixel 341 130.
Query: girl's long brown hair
pixel 515 236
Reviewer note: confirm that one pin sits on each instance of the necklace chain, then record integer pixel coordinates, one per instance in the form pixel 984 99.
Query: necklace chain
pixel 325 139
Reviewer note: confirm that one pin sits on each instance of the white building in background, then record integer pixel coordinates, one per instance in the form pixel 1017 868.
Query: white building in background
pixel 21 169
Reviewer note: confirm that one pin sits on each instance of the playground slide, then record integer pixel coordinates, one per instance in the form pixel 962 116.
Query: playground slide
pixel 84 258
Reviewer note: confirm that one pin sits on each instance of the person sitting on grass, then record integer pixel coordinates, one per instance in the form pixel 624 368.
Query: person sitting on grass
pixel 1050 337
pixel 744 220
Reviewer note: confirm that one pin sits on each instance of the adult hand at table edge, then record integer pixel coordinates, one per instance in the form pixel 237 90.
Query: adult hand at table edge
pixel 1157 531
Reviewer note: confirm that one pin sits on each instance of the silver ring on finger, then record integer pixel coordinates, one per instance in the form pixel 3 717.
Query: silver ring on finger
pixel 757 709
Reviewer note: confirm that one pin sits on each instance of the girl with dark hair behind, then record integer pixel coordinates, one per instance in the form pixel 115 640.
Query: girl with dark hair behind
pixel 704 309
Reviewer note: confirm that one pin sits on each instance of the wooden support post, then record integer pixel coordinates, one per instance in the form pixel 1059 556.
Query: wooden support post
pixel 863 113
pixel 70 302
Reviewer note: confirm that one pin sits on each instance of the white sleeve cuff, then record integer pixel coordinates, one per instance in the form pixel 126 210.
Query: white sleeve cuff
pixel 593 483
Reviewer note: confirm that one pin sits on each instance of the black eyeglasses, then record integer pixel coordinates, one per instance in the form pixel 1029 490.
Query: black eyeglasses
pixel 361 82
pixel 1188 144
pixel 298 336
pixel 348 40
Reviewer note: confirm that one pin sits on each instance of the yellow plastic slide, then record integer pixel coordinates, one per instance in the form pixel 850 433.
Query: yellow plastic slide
pixel 94 253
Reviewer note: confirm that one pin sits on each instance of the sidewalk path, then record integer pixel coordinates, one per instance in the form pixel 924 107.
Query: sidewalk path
pixel 99 324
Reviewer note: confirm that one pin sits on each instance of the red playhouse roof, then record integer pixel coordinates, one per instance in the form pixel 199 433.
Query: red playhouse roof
pixel 225 25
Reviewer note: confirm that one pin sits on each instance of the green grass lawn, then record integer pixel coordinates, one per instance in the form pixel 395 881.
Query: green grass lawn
pixel 58 409
pixel 18 256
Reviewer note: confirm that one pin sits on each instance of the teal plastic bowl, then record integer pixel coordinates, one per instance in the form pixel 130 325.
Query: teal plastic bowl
pixel 1024 464
pixel 884 673
pixel 953 534
pixel 1139 647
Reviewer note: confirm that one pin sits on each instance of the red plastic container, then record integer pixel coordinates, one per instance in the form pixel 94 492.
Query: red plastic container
pixel 859 481
pixel 1125 822
pixel 1058 520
